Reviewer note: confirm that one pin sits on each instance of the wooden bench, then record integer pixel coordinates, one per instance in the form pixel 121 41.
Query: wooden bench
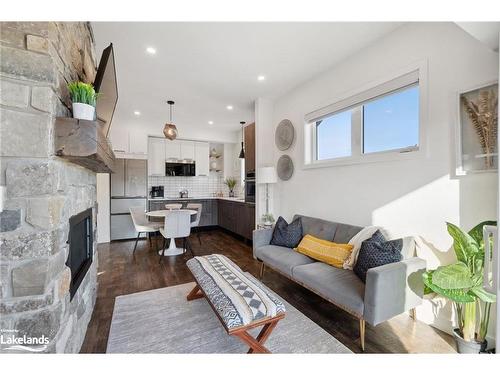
pixel 239 300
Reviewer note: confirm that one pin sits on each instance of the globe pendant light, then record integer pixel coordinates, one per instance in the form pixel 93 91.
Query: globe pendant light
pixel 242 152
pixel 170 130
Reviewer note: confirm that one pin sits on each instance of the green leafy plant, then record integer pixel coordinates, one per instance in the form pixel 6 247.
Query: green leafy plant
pixel 268 218
pixel 82 93
pixel 230 183
pixel 462 282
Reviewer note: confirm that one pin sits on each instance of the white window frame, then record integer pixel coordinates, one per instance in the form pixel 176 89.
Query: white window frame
pixel 399 80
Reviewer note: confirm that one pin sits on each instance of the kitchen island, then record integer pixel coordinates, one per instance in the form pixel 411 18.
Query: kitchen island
pixel 232 214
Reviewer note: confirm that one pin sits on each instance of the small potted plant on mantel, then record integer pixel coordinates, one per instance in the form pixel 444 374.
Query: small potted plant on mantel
pixel 462 283
pixel 83 98
pixel 231 184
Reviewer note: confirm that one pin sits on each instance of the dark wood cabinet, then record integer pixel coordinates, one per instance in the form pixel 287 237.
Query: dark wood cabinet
pixel 234 216
pixel 249 148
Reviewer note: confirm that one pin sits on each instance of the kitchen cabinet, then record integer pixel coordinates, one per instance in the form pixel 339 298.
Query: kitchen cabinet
pixel 135 178
pixel 131 144
pixel 237 217
pixel 117 179
pixel 119 141
pixel 249 148
pixel 187 150
pixel 202 162
pixel 172 150
pixel 156 157
pixel 138 142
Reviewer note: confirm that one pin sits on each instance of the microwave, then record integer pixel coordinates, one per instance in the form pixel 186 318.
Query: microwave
pixel 180 169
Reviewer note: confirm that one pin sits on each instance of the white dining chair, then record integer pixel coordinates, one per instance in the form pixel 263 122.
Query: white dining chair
pixel 198 207
pixel 142 224
pixel 173 206
pixel 177 225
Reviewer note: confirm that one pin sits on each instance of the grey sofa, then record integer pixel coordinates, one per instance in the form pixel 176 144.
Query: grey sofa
pixel 389 290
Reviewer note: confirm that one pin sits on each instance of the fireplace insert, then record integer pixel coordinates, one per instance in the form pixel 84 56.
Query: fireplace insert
pixel 80 240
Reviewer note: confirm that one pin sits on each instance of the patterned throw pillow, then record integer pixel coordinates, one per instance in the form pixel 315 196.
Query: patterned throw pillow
pixel 376 252
pixel 287 235
pixel 325 251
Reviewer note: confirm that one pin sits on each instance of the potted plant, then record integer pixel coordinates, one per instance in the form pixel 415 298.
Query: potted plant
pixel 83 97
pixel 462 283
pixel 268 219
pixel 231 184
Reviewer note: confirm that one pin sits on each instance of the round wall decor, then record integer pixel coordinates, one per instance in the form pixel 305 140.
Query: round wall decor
pixel 285 167
pixel 285 133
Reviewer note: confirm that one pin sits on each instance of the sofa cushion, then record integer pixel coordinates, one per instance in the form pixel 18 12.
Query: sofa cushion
pixel 287 235
pixel 345 232
pixel 340 286
pixel 281 258
pixel 317 227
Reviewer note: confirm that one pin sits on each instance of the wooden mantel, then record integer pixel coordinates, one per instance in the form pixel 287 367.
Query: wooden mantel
pixel 83 142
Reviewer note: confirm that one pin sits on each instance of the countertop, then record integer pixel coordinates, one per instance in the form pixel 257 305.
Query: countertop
pixel 233 199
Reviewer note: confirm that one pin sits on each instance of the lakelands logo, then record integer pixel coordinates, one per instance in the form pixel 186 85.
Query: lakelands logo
pixel 10 340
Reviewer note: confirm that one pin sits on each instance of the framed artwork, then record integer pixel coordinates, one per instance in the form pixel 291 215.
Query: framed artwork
pixel 477 145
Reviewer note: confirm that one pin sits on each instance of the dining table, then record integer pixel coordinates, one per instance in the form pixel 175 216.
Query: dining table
pixel 172 248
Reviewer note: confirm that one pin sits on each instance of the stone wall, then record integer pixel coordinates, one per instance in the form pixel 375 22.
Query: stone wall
pixel 37 61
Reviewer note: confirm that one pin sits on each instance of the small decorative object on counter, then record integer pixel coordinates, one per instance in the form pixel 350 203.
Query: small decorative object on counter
pixel 83 97
pixel 268 220
pixel 231 184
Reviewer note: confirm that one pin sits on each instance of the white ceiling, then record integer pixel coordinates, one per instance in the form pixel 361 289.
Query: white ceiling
pixel 486 32
pixel 206 66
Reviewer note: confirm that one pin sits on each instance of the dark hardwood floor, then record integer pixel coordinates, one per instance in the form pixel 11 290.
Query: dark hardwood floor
pixel 121 272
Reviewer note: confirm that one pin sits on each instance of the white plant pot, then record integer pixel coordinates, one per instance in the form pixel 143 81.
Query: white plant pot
pixel 83 111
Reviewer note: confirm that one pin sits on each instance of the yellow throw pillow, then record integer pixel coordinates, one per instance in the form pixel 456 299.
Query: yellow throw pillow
pixel 327 252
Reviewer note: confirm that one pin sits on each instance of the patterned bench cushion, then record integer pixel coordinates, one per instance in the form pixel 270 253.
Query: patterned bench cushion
pixel 238 298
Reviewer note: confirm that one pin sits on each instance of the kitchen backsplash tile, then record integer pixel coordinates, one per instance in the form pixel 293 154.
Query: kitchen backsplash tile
pixel 196 186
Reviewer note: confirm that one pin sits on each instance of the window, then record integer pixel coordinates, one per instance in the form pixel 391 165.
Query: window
pixel 334 136
pixel 384 120
pixel 391 122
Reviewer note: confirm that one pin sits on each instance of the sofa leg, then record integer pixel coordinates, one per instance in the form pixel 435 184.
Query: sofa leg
pixel 262 268
pixel 413 313
pixel 362 333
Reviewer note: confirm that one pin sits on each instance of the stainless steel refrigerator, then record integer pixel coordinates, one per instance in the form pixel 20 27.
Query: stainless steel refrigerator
pixel 128 189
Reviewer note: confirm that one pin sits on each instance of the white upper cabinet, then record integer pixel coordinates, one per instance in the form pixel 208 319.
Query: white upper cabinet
pixel 202 162
pixel 187 150
pixel 131 144
pixel 156 157
pixel 138 142
pixel 119 141
pixel 172 150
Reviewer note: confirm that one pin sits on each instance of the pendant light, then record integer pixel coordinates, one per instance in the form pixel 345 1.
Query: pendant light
pixel 242 152
pixel 170 130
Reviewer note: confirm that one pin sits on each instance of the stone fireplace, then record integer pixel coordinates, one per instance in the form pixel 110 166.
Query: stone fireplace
pixel 44 291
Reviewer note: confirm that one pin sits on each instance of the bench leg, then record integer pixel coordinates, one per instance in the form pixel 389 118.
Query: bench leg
pixel 257 344
pixel 195 293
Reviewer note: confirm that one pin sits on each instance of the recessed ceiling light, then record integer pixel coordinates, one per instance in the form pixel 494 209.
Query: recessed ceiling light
pixel 210 122
pixel 261 78
pixel 229 107
pixel 151 50
pixel 137 113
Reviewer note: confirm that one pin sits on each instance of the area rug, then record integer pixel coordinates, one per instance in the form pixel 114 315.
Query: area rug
pixel 163 321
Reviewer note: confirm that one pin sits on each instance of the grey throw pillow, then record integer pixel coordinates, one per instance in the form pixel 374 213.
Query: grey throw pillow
pixel 376 252
pixel 287 235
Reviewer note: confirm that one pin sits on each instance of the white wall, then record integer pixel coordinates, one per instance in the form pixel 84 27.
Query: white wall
pixel 412 197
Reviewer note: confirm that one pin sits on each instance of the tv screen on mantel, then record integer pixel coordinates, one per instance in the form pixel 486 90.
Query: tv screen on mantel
pixel 105 85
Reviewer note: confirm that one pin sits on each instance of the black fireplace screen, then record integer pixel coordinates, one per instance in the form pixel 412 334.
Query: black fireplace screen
pixel 80 248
